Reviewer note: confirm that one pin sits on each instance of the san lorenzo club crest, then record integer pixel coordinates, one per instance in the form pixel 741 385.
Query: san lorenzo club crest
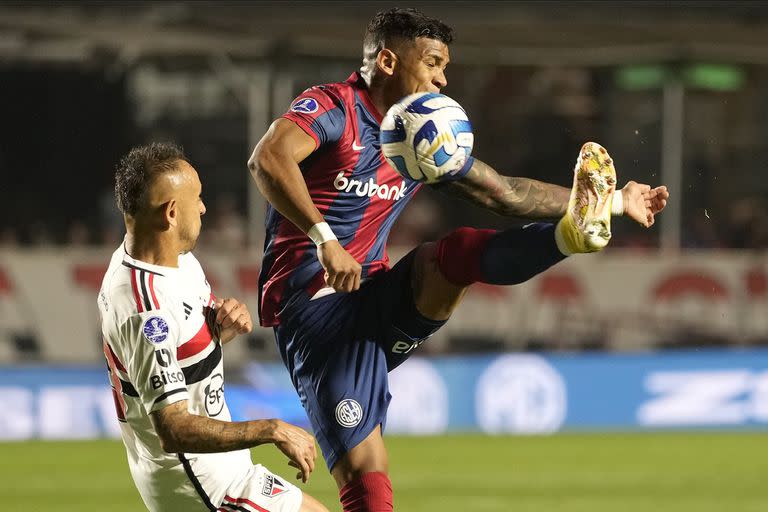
pixel 349 413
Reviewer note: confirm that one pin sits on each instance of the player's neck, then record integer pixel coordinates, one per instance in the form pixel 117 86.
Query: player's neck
pixel 384 91
pixel 154 248
pixel 381 97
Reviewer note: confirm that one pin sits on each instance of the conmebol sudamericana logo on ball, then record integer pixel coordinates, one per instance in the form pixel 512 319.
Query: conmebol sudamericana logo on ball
pixel 427 137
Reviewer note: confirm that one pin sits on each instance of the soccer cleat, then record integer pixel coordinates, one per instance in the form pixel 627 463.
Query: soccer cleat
pixel 586 226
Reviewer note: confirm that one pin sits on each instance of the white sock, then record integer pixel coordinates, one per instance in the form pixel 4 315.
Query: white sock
pixel 617 203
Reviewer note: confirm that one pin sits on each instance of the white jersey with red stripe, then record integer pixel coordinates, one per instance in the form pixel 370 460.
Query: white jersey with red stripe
pixel 160 349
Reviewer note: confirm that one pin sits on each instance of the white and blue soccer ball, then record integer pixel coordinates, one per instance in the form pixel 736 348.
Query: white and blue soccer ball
pixel 427 137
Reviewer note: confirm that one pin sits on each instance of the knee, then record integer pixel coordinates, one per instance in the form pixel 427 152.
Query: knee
pixel 310 504
pixel 370 456
pixel 458 254
pixel 434 294
pixel 349 469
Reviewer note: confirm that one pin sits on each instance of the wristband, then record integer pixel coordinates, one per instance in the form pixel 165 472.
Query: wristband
pixel 321 233
pixel 617 204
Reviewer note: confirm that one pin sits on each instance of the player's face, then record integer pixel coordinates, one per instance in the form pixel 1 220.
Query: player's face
pixel 191 207
pixel 421 66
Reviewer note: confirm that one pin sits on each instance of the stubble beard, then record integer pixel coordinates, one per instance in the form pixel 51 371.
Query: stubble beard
pixel 189 240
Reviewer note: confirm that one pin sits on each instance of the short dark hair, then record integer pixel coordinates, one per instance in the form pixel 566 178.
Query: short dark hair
pixel 138 169
pixel 407 24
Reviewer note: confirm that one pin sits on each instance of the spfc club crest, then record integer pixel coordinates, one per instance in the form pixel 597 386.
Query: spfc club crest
pixel 273 486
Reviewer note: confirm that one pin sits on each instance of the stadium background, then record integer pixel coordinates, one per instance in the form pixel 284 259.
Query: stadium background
pixel 645 365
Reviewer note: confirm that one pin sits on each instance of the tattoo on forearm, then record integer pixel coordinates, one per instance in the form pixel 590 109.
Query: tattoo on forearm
pixel 510 196
pixel 200 434
pixel 533 198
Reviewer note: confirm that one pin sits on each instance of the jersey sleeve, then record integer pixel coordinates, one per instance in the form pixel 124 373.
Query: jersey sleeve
pixel 151 339
pixel 319 113
pixel 461 172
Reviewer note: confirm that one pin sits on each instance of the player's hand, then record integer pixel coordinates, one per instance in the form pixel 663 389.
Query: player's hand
pixel 298 445
pixel 232 319
pixel 342 271
pixel 642 203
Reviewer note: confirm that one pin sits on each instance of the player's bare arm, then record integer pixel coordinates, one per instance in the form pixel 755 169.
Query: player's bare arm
pixel 506 195
pixel 232 319
pixel 532 199
pixel 181 431
pixel 274 166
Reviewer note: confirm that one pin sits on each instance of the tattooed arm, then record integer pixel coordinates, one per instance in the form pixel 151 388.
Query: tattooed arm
pixel 532 199
pixel 181 431
pixel 506 195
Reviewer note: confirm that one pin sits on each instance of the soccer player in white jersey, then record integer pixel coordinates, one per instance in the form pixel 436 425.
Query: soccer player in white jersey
pixel 163 334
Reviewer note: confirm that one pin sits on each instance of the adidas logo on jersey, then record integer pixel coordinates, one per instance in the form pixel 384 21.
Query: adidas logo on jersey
pixel 369 188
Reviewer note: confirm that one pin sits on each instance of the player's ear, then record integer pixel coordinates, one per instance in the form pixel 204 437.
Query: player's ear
pixel 170 213
pixel 386 61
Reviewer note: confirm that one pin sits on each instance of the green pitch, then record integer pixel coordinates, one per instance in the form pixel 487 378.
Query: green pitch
pixel 564 473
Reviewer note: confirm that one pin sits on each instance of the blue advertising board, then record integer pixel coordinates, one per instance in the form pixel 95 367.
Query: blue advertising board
pixel 504 393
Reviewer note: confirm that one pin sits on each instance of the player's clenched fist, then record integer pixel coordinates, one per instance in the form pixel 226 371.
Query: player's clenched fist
pixel 232 318
pixel 298 445
pixel 342 271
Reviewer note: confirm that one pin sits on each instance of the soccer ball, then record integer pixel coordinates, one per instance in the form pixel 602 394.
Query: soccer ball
pixel 427 137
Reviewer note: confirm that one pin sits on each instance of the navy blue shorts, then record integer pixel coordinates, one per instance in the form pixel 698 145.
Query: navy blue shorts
pixel 339 349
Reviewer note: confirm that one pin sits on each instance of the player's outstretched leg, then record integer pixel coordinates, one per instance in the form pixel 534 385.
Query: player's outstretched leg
pixel 513 256
pixel 586 226
pixel 469 255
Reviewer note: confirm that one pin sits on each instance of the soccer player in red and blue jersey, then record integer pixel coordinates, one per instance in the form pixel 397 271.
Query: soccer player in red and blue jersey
pixel 342 318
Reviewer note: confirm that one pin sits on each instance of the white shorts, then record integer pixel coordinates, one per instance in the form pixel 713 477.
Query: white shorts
pixel 258 490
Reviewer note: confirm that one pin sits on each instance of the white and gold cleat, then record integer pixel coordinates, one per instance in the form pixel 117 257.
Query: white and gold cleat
pixel 586 226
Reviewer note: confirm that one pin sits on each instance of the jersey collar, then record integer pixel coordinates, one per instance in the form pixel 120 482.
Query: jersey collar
pixel 357 82
pixel 141 265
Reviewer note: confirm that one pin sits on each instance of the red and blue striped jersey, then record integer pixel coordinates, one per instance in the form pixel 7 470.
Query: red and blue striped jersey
pixel 358 194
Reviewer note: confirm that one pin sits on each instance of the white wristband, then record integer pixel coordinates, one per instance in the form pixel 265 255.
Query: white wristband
pixel 321 233
pixel 617 204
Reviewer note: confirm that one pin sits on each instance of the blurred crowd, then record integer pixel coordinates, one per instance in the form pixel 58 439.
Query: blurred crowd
pixel 528 121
